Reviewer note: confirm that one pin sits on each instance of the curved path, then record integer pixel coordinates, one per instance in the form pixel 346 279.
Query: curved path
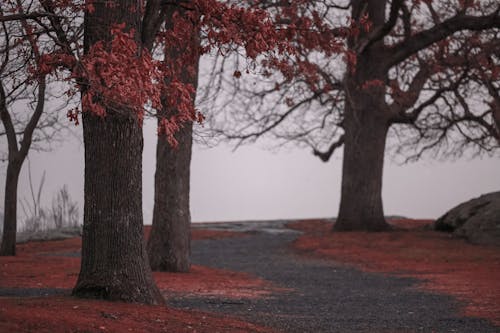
pixel 324 296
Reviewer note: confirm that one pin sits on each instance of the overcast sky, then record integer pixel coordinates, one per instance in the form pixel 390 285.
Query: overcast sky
pixel 254 184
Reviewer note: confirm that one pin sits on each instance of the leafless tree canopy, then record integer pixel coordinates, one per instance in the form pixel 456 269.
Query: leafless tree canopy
pixel 32 108
pixel 441 64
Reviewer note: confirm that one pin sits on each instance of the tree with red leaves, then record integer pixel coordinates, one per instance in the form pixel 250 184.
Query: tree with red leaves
pixel 118 75
pixel 169 243
pixel 426 72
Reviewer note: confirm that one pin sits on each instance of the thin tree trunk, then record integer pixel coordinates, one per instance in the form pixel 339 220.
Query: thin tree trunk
pixel 170 239
pixel 169 243
pixel 8 247
pixel 17 155
pixel 361 196
pixel 114 260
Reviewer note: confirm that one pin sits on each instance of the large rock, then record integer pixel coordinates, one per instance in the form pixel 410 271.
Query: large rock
pixel 478 220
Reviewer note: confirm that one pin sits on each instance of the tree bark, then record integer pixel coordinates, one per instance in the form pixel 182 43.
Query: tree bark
pixel 362 171
pixel 366 122
pixel 169 242
pixel 8 247
pixel 170 239
pixel 114 260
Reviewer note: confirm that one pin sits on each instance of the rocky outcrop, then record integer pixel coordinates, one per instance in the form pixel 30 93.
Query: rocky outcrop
pixel 477 220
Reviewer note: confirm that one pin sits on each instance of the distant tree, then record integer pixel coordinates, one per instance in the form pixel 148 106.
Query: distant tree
pixel 425 72
pixel 23 92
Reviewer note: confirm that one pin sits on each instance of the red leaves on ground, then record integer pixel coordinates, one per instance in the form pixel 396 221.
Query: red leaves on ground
pixel 66 314
pixel 445 264
pixel 46 265
pixel 49 264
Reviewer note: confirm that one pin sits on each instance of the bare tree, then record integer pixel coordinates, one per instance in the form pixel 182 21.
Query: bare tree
pixel 16 84
pixel 423 72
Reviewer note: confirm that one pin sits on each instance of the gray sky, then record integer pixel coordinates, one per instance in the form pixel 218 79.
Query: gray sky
pixel 253 183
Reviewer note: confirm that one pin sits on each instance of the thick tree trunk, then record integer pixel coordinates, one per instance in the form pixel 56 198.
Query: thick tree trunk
pixel 114 260
pixel 169 243
pixel 366 122
pixel 8 247
pixel 361 199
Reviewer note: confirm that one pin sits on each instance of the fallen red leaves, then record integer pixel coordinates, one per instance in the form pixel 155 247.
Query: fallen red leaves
pixel 445 264
pixel 67 314
pixel 47 265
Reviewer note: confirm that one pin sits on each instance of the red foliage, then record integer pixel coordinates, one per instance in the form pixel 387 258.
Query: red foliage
pixel 445 264
pixel 120 76
pixel 47 265
pixel 59 269
pixel 65 314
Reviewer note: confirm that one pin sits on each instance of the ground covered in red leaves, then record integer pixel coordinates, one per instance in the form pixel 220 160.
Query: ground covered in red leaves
pixel 47 265
pixel 444 264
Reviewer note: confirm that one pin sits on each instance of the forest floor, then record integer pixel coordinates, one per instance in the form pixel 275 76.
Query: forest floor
pixel 276 276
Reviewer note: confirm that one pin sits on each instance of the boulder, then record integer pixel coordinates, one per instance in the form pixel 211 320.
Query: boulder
pixel 477 220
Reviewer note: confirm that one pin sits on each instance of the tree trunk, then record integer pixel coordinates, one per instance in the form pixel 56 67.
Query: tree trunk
pixel 8 247
pixel 361 196
pixel 366 122
pixel 169 243
pixel 114 260
pixel 170 239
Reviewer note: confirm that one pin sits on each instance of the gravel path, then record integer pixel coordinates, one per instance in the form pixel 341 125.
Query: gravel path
pixel 326 297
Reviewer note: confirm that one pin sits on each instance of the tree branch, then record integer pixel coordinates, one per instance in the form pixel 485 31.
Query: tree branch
pixel 407 99
pixel 439 32
pixel 409 118
pixel 32 124
pixel 56 23
pixel 7 123
pixel 275 123
pixel 325 156
pixel 23 16
pixel 382 30
pixel 153 18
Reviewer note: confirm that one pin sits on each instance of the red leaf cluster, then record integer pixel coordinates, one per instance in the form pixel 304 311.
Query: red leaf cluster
pixel 120 76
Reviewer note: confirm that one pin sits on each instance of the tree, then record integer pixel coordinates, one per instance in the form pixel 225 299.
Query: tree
pixel 412 69
pixel 114 260
pixel 18 83
pixel 169 242
pixel 118 78
pixel 247 32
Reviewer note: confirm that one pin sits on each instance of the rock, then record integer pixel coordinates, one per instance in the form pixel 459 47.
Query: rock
pixel 477 220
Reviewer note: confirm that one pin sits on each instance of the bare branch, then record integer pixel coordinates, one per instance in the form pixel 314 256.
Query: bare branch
pixel 439 32
pixel 381 31
pixel 405 100
pixel 325 156
pixel 32 124
pixel 7 123
pixel 23 16
pixel 256 134
pixel 153 18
